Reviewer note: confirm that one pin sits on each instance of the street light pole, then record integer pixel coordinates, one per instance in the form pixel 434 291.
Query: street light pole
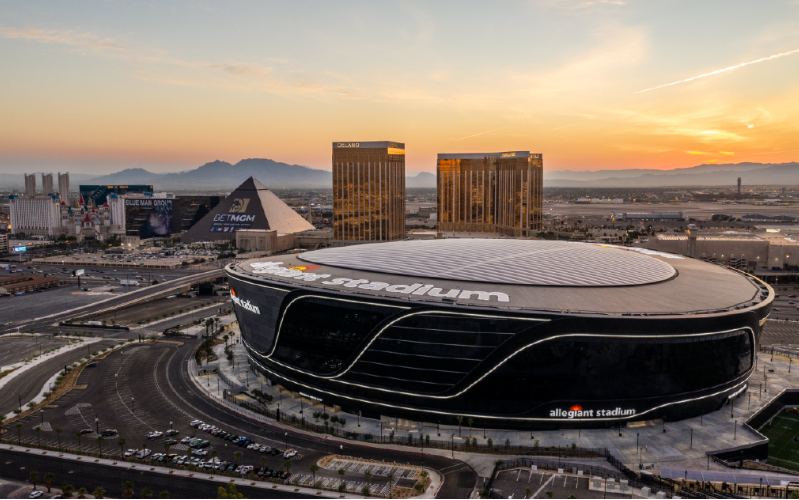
pixel 97 425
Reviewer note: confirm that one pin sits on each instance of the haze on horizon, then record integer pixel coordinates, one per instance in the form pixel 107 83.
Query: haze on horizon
pixel 96 86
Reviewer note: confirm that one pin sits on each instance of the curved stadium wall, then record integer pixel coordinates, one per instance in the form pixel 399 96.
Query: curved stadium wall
pixel 504 368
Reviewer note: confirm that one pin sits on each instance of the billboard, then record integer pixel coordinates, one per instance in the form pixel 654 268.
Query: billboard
pixel 148 217
pixel 20 249
pixel 235 218
pixel 99 194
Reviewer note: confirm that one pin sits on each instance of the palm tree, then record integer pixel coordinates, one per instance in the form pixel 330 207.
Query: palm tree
pixel 127 489
pixel 81 492
pixel 460 419
pixel 263 466
pixel 390 479
pixel 100 444
pixel 99 492
pixel 214 454
pixel 58 435
pixel 38 436
pixel 33 478
pixel 237 457
pixel 48 480
pixel 287 465
pixel 341 474
pixel 527 492
pixel 367 475
pixel 121 443
pixel 146 493
pixel 67 489
pixel 164 494
pixel 19 434
pixel 167 446
pixel 78 435
pixel 470 421
pixel 314 468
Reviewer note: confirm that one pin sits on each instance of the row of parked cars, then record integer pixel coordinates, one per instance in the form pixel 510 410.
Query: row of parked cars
pixel 239 440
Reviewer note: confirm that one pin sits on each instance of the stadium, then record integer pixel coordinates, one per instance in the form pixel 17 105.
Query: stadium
pixel 511 333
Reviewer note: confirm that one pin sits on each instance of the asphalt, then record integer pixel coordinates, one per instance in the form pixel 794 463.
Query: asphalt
pixel 26 386
pixel 44 316
pixel 16 349
pixel 147 388
pixel 18 466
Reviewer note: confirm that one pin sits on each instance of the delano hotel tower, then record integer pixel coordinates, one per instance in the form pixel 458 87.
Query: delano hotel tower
pixel 368 191
pixel 490 192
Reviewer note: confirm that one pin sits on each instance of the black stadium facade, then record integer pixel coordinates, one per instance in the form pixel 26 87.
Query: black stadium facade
pixel 513 333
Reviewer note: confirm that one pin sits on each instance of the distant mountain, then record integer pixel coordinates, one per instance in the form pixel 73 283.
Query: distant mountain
pixel 701 175
pixel 222 175
pixel 421 180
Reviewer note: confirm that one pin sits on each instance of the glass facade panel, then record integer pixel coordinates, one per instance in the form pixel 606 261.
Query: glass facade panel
pixel 319 334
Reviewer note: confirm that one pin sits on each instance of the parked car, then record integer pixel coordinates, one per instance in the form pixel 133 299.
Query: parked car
pixel 188 439
pixel 196 423
pixel 144 453
pixel 154 434
pixel 109 433
pixel 171 442
pixel 172 432
pixel 290 453
pixel 83 432
pixel 131 452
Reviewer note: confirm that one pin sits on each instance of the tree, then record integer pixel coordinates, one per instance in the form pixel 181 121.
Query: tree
pixel 34 476
pixel 163 494
pixel 228 491
pixel 19 434
pixel 167 446
pixel 390 479
pixel 237 457
pixel 527 492
pixel 58 435
pixel 100 445
pixel 66 490
pixel 460 420
pixel 342 486
pixel 483 493
pixel 550 494
pixel 367 475
pixel 287 465
pixel 121 443
pixel 48 480
pixel 314 468
pixel 341 474
pixel 78 434
pixel 365 491
pixel 263 467
pixel 38 436
pixel 146 493
pixel 127 489
pixel 81 492
pixel 470 422
pixel 99 492
pixel 419 487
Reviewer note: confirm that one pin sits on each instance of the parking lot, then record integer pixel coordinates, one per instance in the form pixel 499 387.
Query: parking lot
pixel 514 483
pixel 16 349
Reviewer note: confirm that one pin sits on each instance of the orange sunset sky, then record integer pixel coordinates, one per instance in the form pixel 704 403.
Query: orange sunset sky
pixel 98 86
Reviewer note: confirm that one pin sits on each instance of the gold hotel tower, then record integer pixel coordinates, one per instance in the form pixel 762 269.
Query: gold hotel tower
pixel 490 192
pixel 368 191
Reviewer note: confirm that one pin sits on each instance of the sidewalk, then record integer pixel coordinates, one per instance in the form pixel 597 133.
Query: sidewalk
pixel 683 445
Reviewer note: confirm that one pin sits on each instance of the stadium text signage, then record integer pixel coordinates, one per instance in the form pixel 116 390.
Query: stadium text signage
pixel 276 269
pixel 244 304
pixel 578 412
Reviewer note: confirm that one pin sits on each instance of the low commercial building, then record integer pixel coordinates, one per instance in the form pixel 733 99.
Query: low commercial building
pixel 17 284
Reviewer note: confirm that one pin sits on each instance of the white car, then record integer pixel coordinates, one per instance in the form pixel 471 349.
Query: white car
pixel 196 423
pixel 35 494
pixel 131 452
pixel 144 453
pixel 253 446
pixel 290 453
pixel 154 434
pixel 200 453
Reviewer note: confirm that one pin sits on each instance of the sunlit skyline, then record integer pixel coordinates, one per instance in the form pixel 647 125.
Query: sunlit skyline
pixel 94 87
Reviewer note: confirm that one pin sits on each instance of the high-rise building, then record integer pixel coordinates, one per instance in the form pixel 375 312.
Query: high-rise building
pixel 63 186
pixel 368 191
pixel 30 185
pixel 490 192
pixel 47 183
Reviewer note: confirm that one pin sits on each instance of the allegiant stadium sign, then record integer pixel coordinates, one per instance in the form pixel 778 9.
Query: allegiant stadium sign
pixel 276 269
pixel 577 411
pixel 244 304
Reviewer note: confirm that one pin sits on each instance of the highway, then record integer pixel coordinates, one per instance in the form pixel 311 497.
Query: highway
pixel 49 316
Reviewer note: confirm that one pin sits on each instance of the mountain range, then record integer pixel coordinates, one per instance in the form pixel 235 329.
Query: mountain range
pixel 224 176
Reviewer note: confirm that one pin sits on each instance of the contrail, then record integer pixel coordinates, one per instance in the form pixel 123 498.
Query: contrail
pixel 722 70
pixel 480 133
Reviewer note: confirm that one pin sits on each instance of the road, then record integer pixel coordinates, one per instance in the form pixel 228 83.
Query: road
pixel 27 385
pixel 146 388
pixel 107 303
pixel 18 466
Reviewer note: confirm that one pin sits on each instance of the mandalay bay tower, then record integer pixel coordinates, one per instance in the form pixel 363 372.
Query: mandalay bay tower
pixel 490 192
pixel 368 191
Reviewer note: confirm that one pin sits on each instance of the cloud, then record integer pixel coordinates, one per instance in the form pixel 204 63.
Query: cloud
pixel 718 71
pixel 241 69
pixel 728 153
pixel 477 134
pixel 66 37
